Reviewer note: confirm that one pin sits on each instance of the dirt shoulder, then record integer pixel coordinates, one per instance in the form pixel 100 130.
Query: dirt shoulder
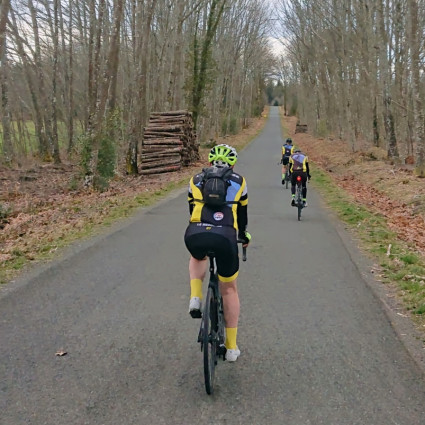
pixel 390 190
pixel 391 226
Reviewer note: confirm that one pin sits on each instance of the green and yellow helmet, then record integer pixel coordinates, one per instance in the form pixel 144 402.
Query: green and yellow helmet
pixel 223 155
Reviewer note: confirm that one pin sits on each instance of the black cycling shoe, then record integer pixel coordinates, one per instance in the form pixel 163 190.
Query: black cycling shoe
pixel 293 203
pixel 283 181
pixel 196 314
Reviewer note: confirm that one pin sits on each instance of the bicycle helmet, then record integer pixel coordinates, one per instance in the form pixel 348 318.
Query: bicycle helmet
pixel 289 141
pixel 223 156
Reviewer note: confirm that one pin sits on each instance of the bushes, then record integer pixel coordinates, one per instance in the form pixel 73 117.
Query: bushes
pixel 106 155
pixel 230 126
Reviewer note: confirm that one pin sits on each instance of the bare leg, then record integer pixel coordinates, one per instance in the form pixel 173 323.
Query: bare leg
pixel 231 306
pixel 197 268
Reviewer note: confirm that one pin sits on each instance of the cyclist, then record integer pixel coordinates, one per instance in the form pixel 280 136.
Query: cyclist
pixel 217 228
pixel 298 166
pixel 287 151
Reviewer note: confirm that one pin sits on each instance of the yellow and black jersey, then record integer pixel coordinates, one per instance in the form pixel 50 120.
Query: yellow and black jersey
pixel 233 214
pixel 299 162
pixel 287 150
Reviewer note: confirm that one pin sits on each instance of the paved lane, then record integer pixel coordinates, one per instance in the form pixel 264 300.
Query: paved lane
pixel 316 345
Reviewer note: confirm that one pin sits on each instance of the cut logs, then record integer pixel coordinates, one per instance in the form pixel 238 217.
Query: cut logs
pixel 301 128
pixel 169 142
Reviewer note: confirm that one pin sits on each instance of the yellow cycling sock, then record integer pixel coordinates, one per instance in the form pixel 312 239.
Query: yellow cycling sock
pixel 196 288
pixel 231 338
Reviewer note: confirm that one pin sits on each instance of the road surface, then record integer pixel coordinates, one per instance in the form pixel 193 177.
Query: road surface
pixel 317 346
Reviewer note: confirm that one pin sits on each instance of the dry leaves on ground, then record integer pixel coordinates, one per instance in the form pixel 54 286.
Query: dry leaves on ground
pixel 390 190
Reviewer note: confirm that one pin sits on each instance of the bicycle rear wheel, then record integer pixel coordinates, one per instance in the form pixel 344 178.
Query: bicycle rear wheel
pixel 287 180
pixel 299 201
pixel 209 339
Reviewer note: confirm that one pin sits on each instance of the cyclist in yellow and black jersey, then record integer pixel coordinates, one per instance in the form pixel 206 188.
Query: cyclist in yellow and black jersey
pixel 233 214
pixel 287 151
pixel 298 166
pixel 217 228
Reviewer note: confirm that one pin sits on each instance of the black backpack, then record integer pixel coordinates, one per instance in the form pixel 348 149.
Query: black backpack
pixel 215 184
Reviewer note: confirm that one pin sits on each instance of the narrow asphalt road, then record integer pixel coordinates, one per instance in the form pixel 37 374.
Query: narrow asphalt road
pixel 317 347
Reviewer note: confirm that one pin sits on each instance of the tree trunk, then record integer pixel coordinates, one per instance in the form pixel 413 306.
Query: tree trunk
pixel 384 75
pixel 419 135
pixel 4 11
pixel 200 74
pixel 140 110
pixel 5 120
pixel 70 123
pixel 55 141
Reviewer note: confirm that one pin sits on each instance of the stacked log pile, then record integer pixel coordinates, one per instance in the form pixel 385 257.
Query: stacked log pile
pixel 301 128
pixel 169 142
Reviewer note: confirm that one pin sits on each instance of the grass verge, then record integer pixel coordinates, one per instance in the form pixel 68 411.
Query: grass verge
pixel 96 219
pixel 93 218
pixel 398 262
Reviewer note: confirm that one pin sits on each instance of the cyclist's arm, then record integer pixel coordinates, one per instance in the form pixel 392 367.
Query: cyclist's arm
pixel 242 212
pixel 190 198
pixel 291 163
pixel 307 166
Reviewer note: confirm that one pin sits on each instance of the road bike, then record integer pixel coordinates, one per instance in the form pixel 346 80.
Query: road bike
pixel 299 196
pixel 212 331
pixel 287 176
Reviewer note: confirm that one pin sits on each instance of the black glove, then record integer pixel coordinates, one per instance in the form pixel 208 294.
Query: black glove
pixel 309 177
pixel 244 237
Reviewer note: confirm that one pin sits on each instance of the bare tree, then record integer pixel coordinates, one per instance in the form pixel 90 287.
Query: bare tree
pixel 419 133
pixel 201 60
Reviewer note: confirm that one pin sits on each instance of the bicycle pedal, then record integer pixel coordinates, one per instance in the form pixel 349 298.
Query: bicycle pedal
pixel 221 351
pixel 195 314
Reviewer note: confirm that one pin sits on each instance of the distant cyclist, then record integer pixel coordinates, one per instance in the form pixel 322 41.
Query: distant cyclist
pixel 217 228
pixel 287 151
pixel 298 166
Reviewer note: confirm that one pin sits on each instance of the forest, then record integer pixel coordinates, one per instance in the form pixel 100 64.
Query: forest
pixel 355 69
pixel 80 78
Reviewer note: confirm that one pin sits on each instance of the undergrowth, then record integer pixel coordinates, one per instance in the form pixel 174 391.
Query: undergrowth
pixel 399 263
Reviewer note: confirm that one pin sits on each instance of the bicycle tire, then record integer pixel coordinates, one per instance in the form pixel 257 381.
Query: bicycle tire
pixel 209 340
pixel 287 180
pixel 299 202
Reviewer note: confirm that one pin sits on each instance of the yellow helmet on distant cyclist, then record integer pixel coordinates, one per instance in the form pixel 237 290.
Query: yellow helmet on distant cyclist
pixel 222 156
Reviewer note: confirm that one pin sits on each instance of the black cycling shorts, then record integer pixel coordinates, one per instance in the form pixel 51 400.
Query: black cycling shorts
pixel 297 173
pixel 200 238
pixel 285 160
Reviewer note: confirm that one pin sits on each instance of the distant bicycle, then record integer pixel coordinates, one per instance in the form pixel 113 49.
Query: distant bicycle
pixel 299 196
pixel 287 177
pixel 212 333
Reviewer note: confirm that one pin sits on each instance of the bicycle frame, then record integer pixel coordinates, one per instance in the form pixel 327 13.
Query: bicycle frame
pixel 299 196
pixel 212 331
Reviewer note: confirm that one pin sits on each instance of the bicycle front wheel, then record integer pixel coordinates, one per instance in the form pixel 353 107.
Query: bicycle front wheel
pixel 209 340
